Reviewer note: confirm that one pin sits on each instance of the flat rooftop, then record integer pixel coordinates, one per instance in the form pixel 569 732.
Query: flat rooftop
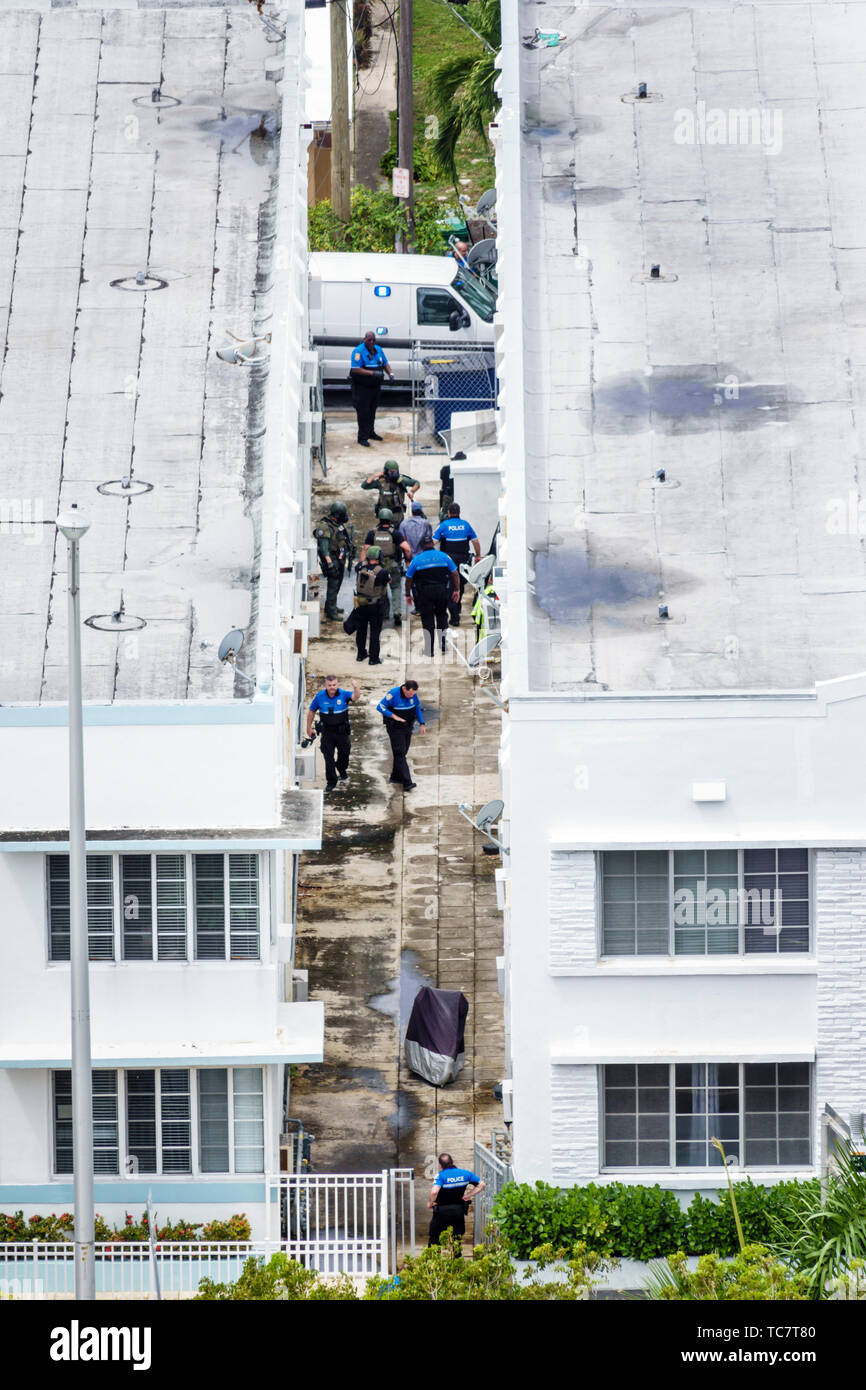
pixel 98 182
pixel 740 371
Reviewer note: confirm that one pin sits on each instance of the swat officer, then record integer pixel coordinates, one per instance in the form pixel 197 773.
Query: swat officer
pixel 384 536
pixel 393 487
pixel 336 548
pixel 400 708
pixel 431 578
pixel 370 590
pixel 332 707
pixel 367 372
pixel 455 537
pixel 448 1198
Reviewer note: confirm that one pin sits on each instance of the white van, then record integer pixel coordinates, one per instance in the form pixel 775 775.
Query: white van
pixel 401 299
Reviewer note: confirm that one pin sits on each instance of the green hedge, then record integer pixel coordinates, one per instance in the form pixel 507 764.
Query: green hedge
pixel 644 1223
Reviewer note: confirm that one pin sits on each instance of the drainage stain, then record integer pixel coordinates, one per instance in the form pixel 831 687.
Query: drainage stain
pixel 686 400
pixel 400 993
pixel 567 586
pixel 595 197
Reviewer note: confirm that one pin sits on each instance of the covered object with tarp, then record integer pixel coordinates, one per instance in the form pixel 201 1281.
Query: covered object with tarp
pixel 434 1036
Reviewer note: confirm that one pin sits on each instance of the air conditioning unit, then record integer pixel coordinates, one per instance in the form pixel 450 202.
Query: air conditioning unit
pixel 305 764
pixel 310 367
pixel 297 985
pixel 310 609
pixel 310 428
pixel 508 1102
pixel 500 975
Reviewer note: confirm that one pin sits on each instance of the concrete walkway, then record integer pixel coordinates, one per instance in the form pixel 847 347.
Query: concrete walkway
pixel 401 894
pixel 375 99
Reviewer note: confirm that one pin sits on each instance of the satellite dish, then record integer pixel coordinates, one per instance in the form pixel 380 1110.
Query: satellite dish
pixel 482 253
pixel 480 571
pixel 486 202
pixel 231 645
pixel 482 649
pixel 489 813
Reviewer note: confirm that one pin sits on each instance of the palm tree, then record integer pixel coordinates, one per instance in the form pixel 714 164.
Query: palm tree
pixel 461 88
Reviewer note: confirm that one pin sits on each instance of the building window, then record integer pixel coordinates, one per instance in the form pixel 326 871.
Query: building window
pixel 105 1122
pixel 705 902
pixel 435 308
pixel 150 1114
pixel 660 1115
pixel 164 906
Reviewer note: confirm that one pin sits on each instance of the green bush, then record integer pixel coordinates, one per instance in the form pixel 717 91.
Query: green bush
pixel 426 166
pixel 376 218
pixel 644 1223
pixel 281 1279
pixel 752 1275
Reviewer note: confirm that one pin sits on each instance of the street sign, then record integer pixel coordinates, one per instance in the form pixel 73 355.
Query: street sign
pixel 400 183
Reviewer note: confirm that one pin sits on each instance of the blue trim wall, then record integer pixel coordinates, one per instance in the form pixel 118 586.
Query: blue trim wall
pixel 186 712
pixel 60 1194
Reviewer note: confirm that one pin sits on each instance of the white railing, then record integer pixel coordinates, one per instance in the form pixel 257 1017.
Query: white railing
pixel 358 1224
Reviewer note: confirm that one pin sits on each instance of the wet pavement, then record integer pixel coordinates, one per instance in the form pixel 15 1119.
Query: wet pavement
pixel 401 894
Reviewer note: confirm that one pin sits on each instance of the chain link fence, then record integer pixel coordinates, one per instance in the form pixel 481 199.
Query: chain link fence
pixel 446 379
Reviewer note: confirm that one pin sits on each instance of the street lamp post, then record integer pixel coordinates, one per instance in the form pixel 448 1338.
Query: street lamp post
pixel 73 526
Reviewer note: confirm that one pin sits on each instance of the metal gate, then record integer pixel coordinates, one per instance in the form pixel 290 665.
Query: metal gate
pixel 446 379
pixel 352 1223
pixel 493 1167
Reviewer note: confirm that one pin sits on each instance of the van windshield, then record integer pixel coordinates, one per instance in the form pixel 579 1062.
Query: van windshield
pixel 476 295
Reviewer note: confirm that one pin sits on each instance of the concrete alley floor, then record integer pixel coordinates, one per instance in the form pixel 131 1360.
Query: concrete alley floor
pixel 401 894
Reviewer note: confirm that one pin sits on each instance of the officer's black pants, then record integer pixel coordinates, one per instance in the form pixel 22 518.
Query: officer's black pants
pixel 445 1219
pixel 400 736
pixel 335 741
pixel 365 398
pixel 369 619
pixel 335 580
pixel 454 607
pixel 431 604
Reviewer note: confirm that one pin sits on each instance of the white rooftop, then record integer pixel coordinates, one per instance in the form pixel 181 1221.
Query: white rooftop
pixel 96 183
pixel 741 372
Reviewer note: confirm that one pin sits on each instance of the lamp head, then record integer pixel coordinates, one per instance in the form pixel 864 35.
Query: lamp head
pixel 72 524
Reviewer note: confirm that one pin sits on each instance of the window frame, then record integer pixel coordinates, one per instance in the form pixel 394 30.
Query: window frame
pixel 713 1169
pixel 435 289
pixel 690 957
pixel 264 907
pixel 195 1171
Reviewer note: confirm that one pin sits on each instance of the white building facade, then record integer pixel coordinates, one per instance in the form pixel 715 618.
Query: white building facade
pixel 195 817
pixel 683 658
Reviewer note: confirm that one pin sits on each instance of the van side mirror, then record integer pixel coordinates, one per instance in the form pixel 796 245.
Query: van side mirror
pixel 458 319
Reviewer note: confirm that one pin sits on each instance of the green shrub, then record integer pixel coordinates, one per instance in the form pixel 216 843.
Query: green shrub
pixel 644 1223
pixel 281 1279
pixel 51 1228
pixel 752 1275
pixel 376 218
pixel 426 166
pixel 826 1237
pixel 442 1274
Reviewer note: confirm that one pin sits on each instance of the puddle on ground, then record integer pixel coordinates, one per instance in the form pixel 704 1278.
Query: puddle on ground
pixel 567 586
pixel 687 400
pixel 399 997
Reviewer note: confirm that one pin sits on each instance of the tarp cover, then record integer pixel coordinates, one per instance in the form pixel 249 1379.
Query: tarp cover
pixel 434 1037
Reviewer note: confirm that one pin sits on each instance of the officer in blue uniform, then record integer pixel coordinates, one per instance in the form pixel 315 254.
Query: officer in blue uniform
pixel 431 578
pixel 455 536
pixel 400 708
pixel 332 707
pixel 448 1200
pixel 369 365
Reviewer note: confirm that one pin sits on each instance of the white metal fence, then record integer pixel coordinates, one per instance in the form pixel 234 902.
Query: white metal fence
pixel 495 1170
pixel 359 1224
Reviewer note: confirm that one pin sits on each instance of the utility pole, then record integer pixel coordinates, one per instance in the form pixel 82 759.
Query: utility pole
pixel 73 526
pixel 341 173
pixel 406 114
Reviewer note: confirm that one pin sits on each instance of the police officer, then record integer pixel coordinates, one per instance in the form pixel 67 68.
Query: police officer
pixel 393 487
pixel 332 707
pixel 370 590
pixel 367 372
pixel 455 536
pixel 432 577
pixel 400 708
pixel 384 536
pixel 336 548
pixel 448 1200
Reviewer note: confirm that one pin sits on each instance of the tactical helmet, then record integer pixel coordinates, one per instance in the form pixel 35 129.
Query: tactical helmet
pixel 374 552
pixel 385 514
pixel 392 466
pixel 339 511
